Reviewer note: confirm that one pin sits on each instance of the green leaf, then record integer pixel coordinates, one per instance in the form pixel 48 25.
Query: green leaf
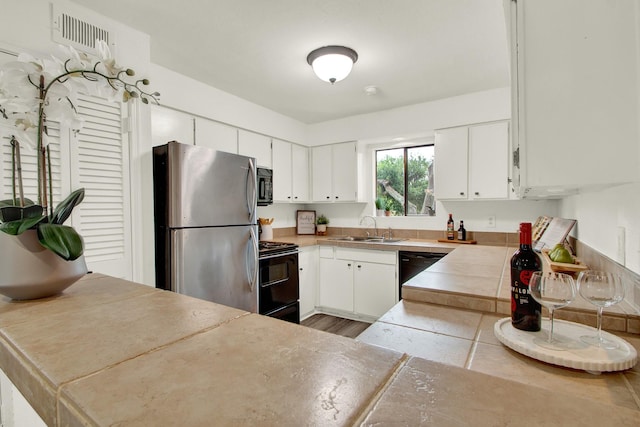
pixel 11 202
pixel 61 239
pixel 21 225
pixel 64 209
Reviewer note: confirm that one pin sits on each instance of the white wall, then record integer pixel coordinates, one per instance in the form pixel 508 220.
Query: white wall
pixel 414 120
pixel 601 215
pixel 186 94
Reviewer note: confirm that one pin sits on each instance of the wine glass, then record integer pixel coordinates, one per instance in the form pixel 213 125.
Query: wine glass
pixel 552 290
pixel 602 289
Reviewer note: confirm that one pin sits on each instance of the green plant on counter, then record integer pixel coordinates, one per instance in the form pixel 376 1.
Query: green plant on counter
pixel 380 203
pixel 389 205
pixel 322 220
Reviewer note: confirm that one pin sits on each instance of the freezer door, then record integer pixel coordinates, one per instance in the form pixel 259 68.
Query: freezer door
pixel 218 264
pixel 205 187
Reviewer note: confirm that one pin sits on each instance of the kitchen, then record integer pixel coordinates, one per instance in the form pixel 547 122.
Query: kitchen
pixel 599 212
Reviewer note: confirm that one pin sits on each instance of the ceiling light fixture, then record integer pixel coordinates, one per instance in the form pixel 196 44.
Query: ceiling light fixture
pixel 332 63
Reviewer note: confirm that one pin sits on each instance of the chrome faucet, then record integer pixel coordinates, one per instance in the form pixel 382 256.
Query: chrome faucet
pixel 375 225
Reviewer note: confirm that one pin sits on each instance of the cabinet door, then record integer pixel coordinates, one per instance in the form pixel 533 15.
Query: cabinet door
pixel 308 276
pixel 450 163
pixel 300 172
pixel 336 284
pixel 576 117
pixel 322 170
pixel 216 135
pixel 345 172
pixel 255 145
pixel 375 288
pixel 489 161
pixel 281 171
pixel 170 125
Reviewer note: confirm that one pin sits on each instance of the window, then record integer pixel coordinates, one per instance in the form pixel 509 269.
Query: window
pixel 404 180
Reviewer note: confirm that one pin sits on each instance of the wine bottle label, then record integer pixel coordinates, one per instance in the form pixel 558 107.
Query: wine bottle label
pixel 526 313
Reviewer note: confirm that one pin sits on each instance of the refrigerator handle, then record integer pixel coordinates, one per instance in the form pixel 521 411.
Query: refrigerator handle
pixel 252 192
pixel 176 270
pixel 252 273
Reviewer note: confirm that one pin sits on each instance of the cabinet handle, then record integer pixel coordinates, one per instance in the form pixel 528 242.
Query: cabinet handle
pixel 301 269
pixel 337 197
pixel 328 197
pixel 476 193
pixel 349 265
pixel 462 193
pixel 288 197
pixel 359 266
pixel 295 197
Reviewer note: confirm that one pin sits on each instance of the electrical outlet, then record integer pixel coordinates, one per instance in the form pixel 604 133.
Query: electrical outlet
pixel 621 245
pixel 491 221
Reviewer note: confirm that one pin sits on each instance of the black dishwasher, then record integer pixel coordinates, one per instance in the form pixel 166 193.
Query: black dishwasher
pixel 414 263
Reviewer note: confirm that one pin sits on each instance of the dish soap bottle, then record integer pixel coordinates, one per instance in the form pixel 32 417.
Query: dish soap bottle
pixel 525 311
pixel 462 233
pixel 450 228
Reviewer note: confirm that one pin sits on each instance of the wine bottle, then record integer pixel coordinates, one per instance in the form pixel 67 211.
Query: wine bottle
pixel 526 313
pixel 450 228
pixel 462 232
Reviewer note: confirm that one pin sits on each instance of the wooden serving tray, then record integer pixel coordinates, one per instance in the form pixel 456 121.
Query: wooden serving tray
pixel 561 267
pixel 463 242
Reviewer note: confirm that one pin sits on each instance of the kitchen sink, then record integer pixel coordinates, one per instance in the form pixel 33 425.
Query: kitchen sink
pixel 368 239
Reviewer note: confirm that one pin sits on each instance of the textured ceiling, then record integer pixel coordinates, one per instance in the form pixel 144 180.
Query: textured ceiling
pixel 412 50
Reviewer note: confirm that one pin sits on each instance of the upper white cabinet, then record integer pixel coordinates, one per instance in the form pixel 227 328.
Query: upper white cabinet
pixel 335 173
pixel 255 145
pixel 472 162
pixel 170 125
pixel 574 70
pixel 290 172
pixel 216 135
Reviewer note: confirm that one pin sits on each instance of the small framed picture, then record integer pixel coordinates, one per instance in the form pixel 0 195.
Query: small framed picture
pixel 306 222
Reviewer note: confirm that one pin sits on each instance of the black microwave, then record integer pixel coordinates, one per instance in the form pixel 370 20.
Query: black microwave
pixel 265 186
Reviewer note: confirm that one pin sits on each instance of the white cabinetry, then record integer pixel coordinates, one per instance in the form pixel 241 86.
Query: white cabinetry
pixel 290 172
pixel 335 173
pixel 357 283
pixel 170 125
pixel 472 162
pixel 216 135
pixel 574 72
pixel 308 277
pixel 255 145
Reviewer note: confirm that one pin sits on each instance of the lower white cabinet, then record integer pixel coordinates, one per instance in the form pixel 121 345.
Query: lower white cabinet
pixel 357 282
pixel 308 277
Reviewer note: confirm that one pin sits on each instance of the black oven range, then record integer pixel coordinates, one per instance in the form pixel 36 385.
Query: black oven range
pixel 278 278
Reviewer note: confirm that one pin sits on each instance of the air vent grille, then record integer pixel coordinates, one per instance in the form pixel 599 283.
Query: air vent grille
pixel 78 31
pixel 74 30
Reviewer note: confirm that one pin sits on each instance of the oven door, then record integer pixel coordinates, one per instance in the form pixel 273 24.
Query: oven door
pixel 279 287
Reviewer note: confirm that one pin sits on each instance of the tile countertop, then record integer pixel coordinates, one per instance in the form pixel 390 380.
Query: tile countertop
pixel 112 352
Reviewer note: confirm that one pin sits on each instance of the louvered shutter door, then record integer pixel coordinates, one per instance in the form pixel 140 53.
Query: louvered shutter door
pixel 100 164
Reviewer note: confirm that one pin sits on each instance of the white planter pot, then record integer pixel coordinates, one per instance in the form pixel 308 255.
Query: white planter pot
pixel 379 212
pixel 30 271
pixel 321 228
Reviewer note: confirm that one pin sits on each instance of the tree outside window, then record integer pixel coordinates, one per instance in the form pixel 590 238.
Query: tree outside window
pixel 404 180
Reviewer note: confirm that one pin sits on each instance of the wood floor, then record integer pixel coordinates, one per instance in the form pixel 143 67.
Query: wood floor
pixel 335 325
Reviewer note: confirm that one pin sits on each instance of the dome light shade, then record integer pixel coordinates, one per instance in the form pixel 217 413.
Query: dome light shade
pixel 332 63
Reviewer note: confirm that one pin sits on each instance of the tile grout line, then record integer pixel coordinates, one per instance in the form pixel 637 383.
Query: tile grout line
pixel 474 345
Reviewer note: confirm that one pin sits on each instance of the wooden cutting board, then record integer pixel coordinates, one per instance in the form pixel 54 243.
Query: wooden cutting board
pixel 462 242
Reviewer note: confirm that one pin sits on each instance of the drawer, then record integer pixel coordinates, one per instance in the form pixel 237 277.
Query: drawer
pixel 367 255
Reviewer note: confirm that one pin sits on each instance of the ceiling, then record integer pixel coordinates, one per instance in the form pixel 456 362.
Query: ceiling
pixel 413 50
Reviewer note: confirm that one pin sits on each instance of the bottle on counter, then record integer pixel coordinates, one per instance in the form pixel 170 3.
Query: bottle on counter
pixel 462 232
pixel 450 228
pixel 526 313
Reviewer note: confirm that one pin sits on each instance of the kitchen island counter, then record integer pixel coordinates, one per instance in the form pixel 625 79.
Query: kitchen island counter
pixel 112 352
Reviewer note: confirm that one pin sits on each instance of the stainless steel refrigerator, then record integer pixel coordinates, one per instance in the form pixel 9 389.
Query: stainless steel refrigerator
pixel 206 233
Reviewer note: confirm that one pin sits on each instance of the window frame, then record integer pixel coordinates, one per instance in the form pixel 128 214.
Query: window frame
pixel 405 149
